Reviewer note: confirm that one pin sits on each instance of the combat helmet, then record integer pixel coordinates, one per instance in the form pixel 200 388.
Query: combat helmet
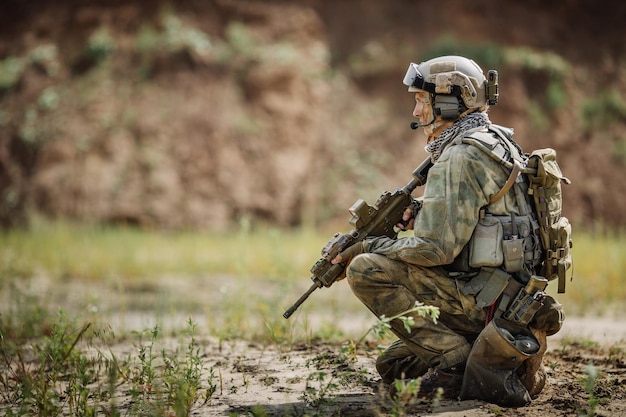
pixel 455 83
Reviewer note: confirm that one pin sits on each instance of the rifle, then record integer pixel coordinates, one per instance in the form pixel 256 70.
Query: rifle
pixel 377 220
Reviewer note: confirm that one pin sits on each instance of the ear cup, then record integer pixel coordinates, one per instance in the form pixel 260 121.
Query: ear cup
pixel 447 106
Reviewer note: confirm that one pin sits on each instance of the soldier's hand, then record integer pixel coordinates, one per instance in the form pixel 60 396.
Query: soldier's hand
pixel 408 220
pixel 408 217
pixel 348 254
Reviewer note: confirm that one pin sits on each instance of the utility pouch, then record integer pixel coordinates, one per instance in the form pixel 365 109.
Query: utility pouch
pixel 513 252
pixel 520 247
pixel 527 301
pixel 558 262
pixel 486 286
pixel 527 311
pixel 486 243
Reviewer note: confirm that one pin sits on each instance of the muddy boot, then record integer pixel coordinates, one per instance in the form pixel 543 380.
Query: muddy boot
pixel 398 362
pixel 491 369
pixel 449 379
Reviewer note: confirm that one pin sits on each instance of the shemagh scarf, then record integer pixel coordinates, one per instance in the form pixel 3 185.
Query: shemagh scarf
pixel 471 121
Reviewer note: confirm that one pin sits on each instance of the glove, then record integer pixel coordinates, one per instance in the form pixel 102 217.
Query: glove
pixel 346 256
pixel 350 253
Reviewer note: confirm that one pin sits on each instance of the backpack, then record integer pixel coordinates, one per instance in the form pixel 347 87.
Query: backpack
pixel 543 192
pixel 545 178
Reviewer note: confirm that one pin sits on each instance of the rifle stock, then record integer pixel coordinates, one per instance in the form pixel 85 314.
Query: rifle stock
pixel 377 220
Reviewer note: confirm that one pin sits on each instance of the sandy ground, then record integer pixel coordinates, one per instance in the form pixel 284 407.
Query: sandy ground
pixel 278 381
pixel 258 379
pixel 318 378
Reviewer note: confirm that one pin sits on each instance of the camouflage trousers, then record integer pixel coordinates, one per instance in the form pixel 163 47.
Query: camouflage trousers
pixel 392 287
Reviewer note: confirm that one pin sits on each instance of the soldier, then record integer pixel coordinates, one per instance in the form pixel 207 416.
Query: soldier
pixel 454 260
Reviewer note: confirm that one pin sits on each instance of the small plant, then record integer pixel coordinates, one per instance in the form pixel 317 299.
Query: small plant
pixel 349 351
pixel 46 57
pixel 537 116
pixel 183 379
pixel 405 395
pixel 496 411
pixel 436 401
pixel 165 383
pixel 565 342
pixel 179 36
pixel 321 394
pixel 240 39
pixel 556 95
pixel 382 326
pixel 49 374
pixel 49 99
pixel 589 344
pixel 534 60
pixel 615 353
pixel 589 383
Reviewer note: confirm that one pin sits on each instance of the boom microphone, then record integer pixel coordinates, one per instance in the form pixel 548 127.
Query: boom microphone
pixel 415 125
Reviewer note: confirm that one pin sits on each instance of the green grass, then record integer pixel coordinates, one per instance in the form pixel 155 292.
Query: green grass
pixel 241 282
pixel 87 253
pixel 70 251
pixel 236 284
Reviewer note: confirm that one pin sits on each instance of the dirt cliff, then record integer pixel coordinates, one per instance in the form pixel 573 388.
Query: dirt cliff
pixel 196 114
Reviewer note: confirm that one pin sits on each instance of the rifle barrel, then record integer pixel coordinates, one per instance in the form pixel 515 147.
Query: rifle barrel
pixel 316 284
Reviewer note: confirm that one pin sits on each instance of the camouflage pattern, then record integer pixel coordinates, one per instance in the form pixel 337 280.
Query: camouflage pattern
pixel 459 184
pixel 395 273
pixel 391 287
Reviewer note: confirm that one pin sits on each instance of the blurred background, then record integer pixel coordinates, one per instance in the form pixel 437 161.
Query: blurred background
pixel 184 115
pixel 167 164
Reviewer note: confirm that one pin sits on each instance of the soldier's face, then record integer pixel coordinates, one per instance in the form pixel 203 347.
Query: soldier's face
pixel 423 110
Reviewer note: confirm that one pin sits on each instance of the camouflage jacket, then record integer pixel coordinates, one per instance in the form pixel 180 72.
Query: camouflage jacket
pixel 459 185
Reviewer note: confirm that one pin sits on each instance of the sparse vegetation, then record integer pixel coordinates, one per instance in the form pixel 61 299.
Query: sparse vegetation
pixel 113 80
pixel 59 361
pixel 64 370
pixel 603 110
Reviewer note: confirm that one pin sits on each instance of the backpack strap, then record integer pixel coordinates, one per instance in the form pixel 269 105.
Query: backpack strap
pixel 517 168
pixel 496 141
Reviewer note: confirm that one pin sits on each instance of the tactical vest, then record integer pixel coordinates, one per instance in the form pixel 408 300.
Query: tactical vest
pixel 539 240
